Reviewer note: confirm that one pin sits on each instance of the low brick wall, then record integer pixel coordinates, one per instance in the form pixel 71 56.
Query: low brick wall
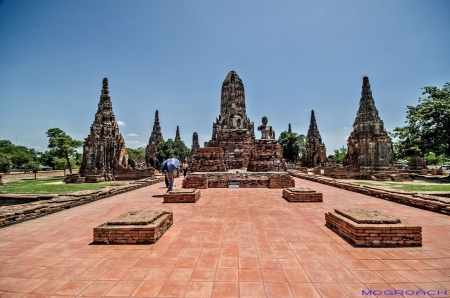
pixel 302 195
pixel 140 232
pixel 43 205
pixel 182 196
pixel 245 180
pixel 371 234
pixel 423 201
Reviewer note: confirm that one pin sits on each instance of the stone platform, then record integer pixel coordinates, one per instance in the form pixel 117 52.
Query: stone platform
pixel 243 179
pixel 372 228
pixel 185 195
pixel 302 195
pixel 136 227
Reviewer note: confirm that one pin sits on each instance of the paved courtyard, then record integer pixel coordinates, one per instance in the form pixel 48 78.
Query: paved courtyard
pixel 231 243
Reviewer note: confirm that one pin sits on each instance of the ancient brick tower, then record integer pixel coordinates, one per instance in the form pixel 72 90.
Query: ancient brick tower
pixel 369 146
pixel 289 128
pixel 177 134
pixel 316 153
pixel 155 138
pixel 195 145
pixel 104 148
pixel 233 131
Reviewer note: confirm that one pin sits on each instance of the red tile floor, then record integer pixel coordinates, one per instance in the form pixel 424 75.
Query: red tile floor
pixel 231 243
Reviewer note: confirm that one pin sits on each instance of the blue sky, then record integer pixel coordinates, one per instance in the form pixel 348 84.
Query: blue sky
pixel 172 56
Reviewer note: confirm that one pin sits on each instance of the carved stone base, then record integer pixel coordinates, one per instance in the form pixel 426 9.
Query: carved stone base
pixel 372 228
pixel 302 195
pixel 136 227
pixel 182 196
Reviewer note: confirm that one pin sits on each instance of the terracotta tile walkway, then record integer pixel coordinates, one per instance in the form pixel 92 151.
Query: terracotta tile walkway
pixel 231 243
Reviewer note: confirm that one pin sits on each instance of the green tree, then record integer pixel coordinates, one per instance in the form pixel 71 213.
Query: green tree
pixel 32 166
pixel 294 146
pixel 61 163
pixel 427 124
pixel 19 156
pixel 134 154
pixel 433 159
pixel 339 154
pixel 5 163
pixel 63 145
pixel 171 148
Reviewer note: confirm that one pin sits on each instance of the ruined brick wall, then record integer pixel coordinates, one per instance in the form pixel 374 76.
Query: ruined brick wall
pixel 266 156
pixel 237 145
pixel 210 159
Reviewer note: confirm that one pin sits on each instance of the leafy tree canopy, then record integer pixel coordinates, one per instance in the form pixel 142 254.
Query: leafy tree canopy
pixel 339 154
pixel 294 145
pixel 134 154
pixel 19 155
pixel 63 145
pixel 427 126
pixel 171 148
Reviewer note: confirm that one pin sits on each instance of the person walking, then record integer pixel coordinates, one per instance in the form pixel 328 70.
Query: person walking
pixel 185 168
pixel 170 178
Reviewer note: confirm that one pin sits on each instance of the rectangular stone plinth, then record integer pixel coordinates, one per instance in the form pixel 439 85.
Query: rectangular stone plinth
pixel 302 195
pixel 184 195
pixel 372 228
pixel 136 227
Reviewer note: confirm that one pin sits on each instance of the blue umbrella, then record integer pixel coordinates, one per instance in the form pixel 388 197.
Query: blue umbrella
pixel 170 164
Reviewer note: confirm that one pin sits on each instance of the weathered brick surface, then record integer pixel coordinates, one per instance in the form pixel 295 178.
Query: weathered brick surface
pixel 373 234
pixel 245 180
pixel 208 159
pixel 147 229
pixel 302 195
pixel 182 196
pixel 423 201
pixel 26 207
pixel 266 156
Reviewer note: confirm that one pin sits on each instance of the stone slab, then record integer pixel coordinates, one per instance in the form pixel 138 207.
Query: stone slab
pixel 135 227
pixel 302 195
pixel 185 195
pixel 367 216
pixel 373 234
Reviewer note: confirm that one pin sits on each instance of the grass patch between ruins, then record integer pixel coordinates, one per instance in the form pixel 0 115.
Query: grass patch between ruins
pixel 48 186
pixel 409 187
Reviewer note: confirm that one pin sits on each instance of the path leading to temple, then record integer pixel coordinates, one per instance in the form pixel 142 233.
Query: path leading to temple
pixel 232 242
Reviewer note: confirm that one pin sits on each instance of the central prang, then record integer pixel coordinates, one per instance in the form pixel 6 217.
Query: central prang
pixel 233 144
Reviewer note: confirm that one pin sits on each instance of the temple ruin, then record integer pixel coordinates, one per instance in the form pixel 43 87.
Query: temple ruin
pixel 316 153
pixel 234 134
pixel 195 145
pixel 177 134
pixel 105 156
pixel 156 137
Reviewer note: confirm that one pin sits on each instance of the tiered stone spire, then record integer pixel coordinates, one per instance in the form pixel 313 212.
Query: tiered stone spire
pixel 289 128
pixel 177 134
pixel 315 151
pixel 368 144
pixel 156 137
pixel 195 145
pixel 104 148
pixel 233 114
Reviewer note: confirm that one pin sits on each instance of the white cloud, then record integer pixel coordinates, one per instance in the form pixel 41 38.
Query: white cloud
pixel 134 142
pixel 37 147
pixel 345 127
pixel 132 135
pixel 120 123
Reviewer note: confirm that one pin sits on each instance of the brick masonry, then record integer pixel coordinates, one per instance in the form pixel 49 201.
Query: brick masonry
pixel 135 227
pixel 26 207
pixel 245 180
pixel 361 229
pixel 423 201
pixel 182 196
pixel 302 195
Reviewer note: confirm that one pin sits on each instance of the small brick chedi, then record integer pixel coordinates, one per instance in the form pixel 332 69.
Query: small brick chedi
pixel 316 153
pixel 156 137
pixel 105 157
pixel 184 195
pixel 136 227
pixel 302 195
pixel 372 228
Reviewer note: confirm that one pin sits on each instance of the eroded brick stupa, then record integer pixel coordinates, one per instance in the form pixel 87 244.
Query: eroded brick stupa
pixel 233 144
pixel 316 153
pixel 104 148
pixel 156 137
pixel 369 146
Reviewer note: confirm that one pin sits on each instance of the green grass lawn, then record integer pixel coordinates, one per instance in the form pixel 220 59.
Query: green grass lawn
pixel 44 186
pixel 409 187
